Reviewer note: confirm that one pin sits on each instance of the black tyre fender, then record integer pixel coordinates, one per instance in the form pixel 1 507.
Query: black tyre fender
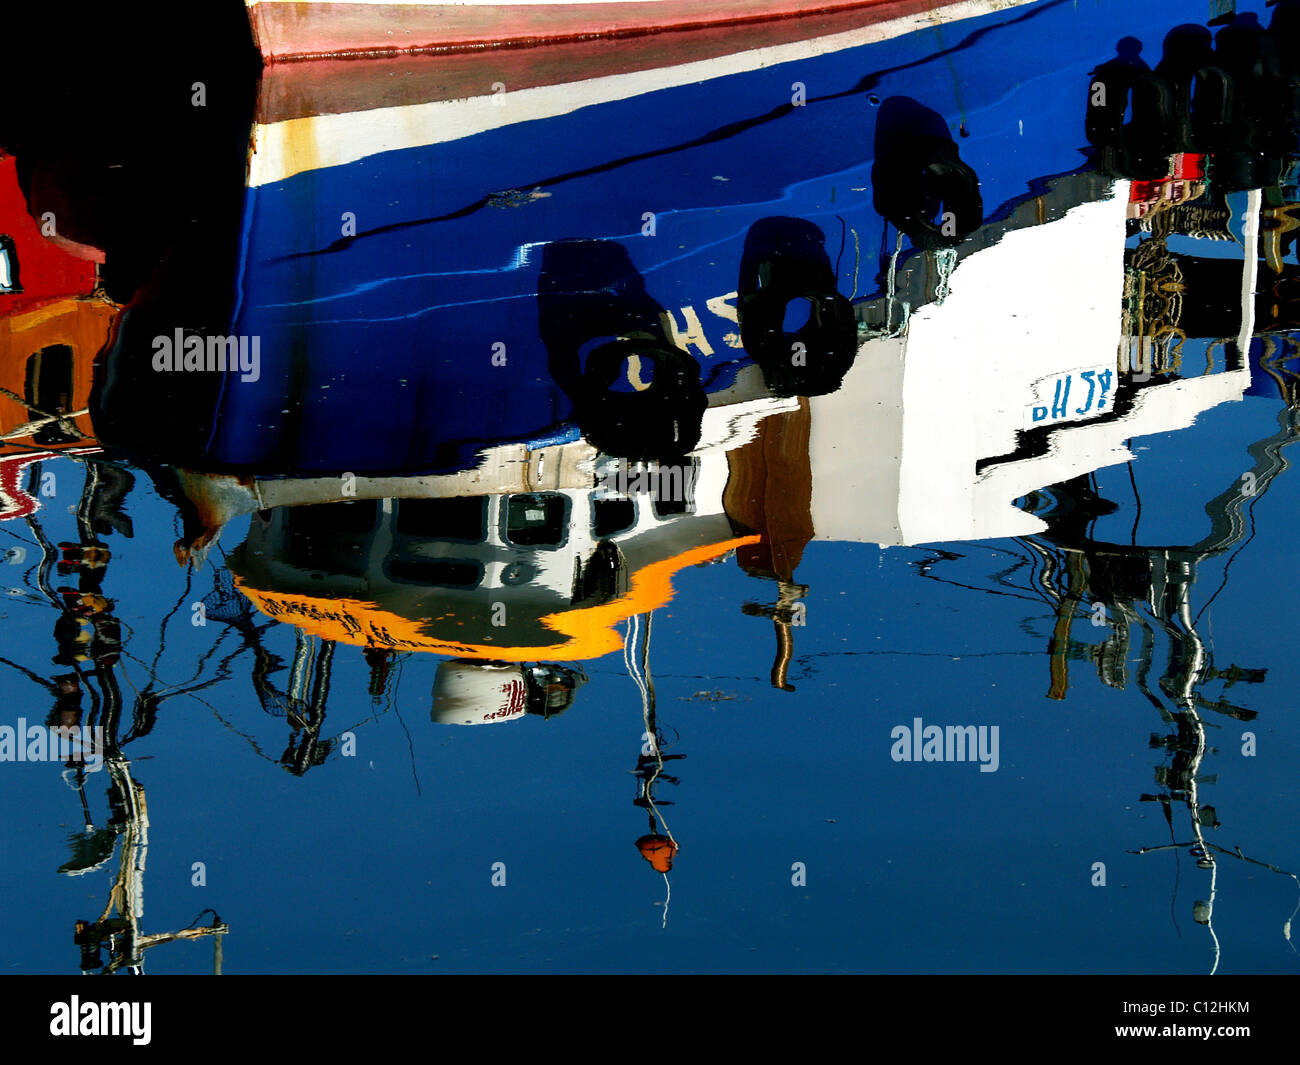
pixel 827 343
pixel 1212 107
pixel 1140 148
pixel 920 174
pixel 661 422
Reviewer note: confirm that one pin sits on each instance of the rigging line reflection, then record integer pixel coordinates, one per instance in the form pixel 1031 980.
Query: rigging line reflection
pixel 1121 584
pixel 88 637
pixel 659 846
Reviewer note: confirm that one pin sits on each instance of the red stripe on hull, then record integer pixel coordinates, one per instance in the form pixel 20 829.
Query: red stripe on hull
pixel 299 31
pixel 338 86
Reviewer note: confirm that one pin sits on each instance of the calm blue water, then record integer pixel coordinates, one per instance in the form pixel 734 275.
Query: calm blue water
pixel 382 862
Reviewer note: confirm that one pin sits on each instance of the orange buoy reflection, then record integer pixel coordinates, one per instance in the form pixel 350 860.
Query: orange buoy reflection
pixel 658 850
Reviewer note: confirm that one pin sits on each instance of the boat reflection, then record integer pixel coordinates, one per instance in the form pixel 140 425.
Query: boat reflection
pixel 487 389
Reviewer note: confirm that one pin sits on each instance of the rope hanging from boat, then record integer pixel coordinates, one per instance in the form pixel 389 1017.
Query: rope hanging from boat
pixel 890 288
pixel 945 261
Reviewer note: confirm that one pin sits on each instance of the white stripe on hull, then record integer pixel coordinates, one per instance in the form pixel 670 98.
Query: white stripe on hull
pixel 283 149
